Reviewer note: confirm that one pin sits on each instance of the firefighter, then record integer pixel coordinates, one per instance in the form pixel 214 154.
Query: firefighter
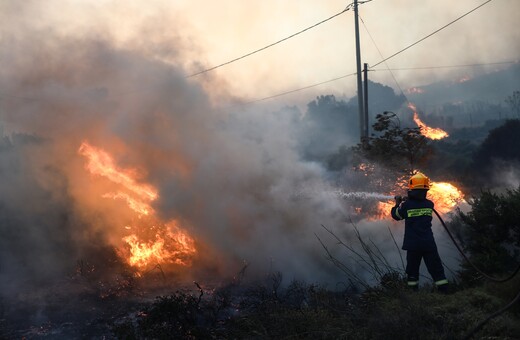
pixel 418 241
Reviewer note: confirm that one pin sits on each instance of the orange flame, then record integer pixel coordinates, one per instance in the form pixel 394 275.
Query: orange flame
pixel 101 163
pixel 176 247
pixel 445 196
pixel 170 244
pixel 429 132
pixel 136 205
pixel 382 211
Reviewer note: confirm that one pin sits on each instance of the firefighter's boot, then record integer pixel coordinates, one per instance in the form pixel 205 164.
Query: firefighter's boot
pixel 443 287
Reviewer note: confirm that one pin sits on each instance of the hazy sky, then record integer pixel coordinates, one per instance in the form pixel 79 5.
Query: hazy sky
pixel 199 34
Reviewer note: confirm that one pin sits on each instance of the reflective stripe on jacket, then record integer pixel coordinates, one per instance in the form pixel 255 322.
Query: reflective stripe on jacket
pixel 417 214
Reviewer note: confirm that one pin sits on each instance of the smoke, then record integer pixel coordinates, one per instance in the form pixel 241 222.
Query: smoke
pixel 31 215
pixel 227 176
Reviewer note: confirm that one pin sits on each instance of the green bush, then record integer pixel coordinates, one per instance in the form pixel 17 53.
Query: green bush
pixel 490 234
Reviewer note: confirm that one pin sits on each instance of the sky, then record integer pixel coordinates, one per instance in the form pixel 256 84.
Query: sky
pixel 199 34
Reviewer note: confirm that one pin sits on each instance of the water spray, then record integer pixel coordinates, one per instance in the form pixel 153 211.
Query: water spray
pixel 355 195
pixel 363 195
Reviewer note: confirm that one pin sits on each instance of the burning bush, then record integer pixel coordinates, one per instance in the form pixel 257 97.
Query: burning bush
pixel 149 241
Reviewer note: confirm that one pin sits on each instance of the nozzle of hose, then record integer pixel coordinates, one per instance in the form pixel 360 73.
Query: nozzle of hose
pixel 399 199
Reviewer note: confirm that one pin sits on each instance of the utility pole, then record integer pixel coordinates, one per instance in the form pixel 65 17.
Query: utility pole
pixel 358 62
pixel 365 91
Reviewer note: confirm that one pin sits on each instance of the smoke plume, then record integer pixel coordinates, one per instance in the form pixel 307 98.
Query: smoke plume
pixel 227 176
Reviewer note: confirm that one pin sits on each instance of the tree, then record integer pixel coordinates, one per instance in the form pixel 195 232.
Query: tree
pixel 393 153
pixel 399 149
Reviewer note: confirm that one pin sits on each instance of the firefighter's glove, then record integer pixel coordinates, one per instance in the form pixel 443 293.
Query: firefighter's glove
pixel 398 200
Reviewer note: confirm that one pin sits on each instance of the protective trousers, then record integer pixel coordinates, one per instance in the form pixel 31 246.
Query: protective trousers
pixel 433 264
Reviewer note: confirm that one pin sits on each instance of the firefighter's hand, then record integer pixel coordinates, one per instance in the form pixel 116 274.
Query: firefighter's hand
pixel 398 200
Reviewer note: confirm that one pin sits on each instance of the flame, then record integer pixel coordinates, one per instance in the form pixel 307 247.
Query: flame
pixel 429 132
pixel 445 196
pixel 136 205
pixel 365 168
pixel 101 163
pixel 169 244
pixel 382 211
pixel 176 247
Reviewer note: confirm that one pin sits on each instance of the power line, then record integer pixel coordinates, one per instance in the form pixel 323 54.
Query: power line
pixel 429 35
pixel 446 66
pixel 380 62
pixel 5 95
pixel 300 89
pixel 379 70
pixel 337 78
pixel 381 55
pixel 270 45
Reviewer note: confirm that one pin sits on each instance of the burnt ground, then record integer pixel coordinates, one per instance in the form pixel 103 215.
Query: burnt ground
pixel 78 307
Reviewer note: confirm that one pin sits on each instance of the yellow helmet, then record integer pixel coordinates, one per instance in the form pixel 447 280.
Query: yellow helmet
pixel 419 181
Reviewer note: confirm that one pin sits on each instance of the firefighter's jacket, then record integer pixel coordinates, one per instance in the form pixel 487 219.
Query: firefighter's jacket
pixel 417 212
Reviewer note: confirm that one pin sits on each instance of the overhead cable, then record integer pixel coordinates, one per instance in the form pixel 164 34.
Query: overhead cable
pixel 238 58
pixel 445 66
pixel 429 35
pixel 270 45
pixel 381 55
pixel 301 88
pixel 380 62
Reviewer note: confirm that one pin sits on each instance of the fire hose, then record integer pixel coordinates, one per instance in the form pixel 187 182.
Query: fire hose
pixel 469 261
pixel 515 272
